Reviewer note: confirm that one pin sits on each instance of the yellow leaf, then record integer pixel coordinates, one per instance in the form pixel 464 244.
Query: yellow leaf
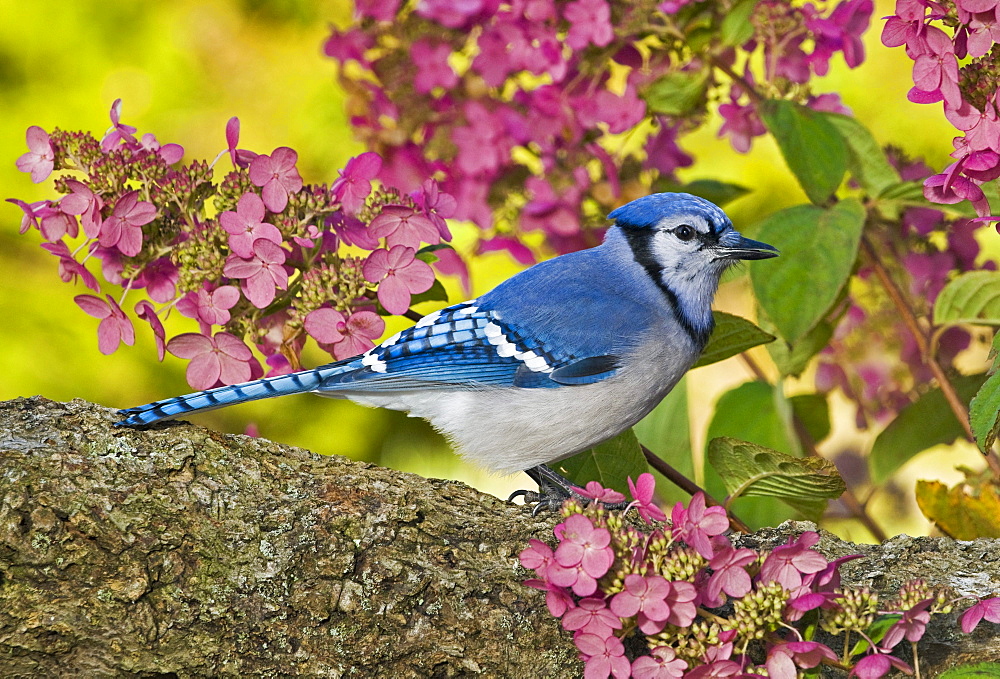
pixel 958 514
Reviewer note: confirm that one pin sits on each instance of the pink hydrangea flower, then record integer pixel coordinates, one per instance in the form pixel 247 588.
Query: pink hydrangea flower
pixel 584 544
pixel 69 268
pixel 784 659
pixel 380 10
pixel 662 663
pixel 646 595
pixel 114 328
pixel 697 524
pixel 40 158
pixel 987 608
pixel 590 23
pixel 209 307
pixel 876 666
pixel 642 492
pixel 348 336
pixel 604 657
pixel 239 157
pixel 261 274
pixel 222 358
pixel 118 133
pixel 433 70
pixel 123 229
pixel 352 231
pixel 557 599
pixel 31 212
pixel 54 223
pixel 911 626
pixel 786 564
pixel 160 279
pixel 355 181
pixel 399 275
pixel 247 224
pixel 595 491
pixel 170 153
pixel 436 204
pixel 591 616
pixel 146 312
pixel 85 203
pixel 730 575
pixel 401 225
pixel 277 176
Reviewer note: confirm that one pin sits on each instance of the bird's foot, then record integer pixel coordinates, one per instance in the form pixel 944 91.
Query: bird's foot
pixel 553 490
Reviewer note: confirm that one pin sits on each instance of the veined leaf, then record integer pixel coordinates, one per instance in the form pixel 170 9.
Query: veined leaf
pixel 812 146
pixel 731 336
pixel 818 250
pixel 609 463
pixel 750 470
pixel 865 158
pixel 972 297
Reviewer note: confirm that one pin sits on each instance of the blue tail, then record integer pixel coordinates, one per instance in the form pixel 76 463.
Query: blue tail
pixel 294 383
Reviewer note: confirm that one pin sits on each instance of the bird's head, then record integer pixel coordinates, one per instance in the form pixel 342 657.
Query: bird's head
pixel 683 240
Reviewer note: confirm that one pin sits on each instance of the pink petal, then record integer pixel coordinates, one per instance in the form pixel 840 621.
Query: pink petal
pixel 275 196
pixel 189 345
pixel 394 295
pixel 204 370
pixel 322 324
pixel 94 306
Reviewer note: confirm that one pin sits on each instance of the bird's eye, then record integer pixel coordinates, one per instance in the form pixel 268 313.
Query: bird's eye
pixel 684 232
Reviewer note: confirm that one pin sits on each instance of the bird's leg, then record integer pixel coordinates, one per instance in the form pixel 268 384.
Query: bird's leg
pixel 553 490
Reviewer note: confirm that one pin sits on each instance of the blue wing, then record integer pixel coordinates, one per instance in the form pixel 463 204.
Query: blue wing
pixel 466 346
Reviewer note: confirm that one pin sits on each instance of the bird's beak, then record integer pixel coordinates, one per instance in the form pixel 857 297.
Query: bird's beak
pixel 735 246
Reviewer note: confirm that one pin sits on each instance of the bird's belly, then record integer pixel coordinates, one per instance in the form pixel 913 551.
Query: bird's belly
pixel 511 429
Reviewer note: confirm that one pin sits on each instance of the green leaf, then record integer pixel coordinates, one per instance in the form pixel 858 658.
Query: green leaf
pixel 982 670
pixel 736 28
pixel 732 335
pixel 925 423
pixel 750 470
pixel 812 146
pixel 677 93
pixel 972 297
pixel 984 412
pixel 667 432
pixel 818 251
pixel 813 411
pixel 609 463
pixel 865 158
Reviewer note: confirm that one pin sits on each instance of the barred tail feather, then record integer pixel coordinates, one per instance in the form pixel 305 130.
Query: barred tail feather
pixel 219 397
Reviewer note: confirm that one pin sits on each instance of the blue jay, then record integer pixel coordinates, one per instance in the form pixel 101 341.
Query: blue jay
pixel 551 362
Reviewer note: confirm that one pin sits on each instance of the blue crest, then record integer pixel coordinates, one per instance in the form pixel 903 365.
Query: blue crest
pixel 646 212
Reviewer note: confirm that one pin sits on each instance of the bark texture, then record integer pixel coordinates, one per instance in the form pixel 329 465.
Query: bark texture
pixel 178 551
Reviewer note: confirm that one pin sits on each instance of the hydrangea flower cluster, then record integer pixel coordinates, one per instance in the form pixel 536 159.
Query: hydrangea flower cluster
pixel 542 115
pixel 886 370
pixel 259 258
pixel 968 92
pixel 682 601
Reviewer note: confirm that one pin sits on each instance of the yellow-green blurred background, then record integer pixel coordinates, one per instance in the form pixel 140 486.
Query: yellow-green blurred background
pixel 183 68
